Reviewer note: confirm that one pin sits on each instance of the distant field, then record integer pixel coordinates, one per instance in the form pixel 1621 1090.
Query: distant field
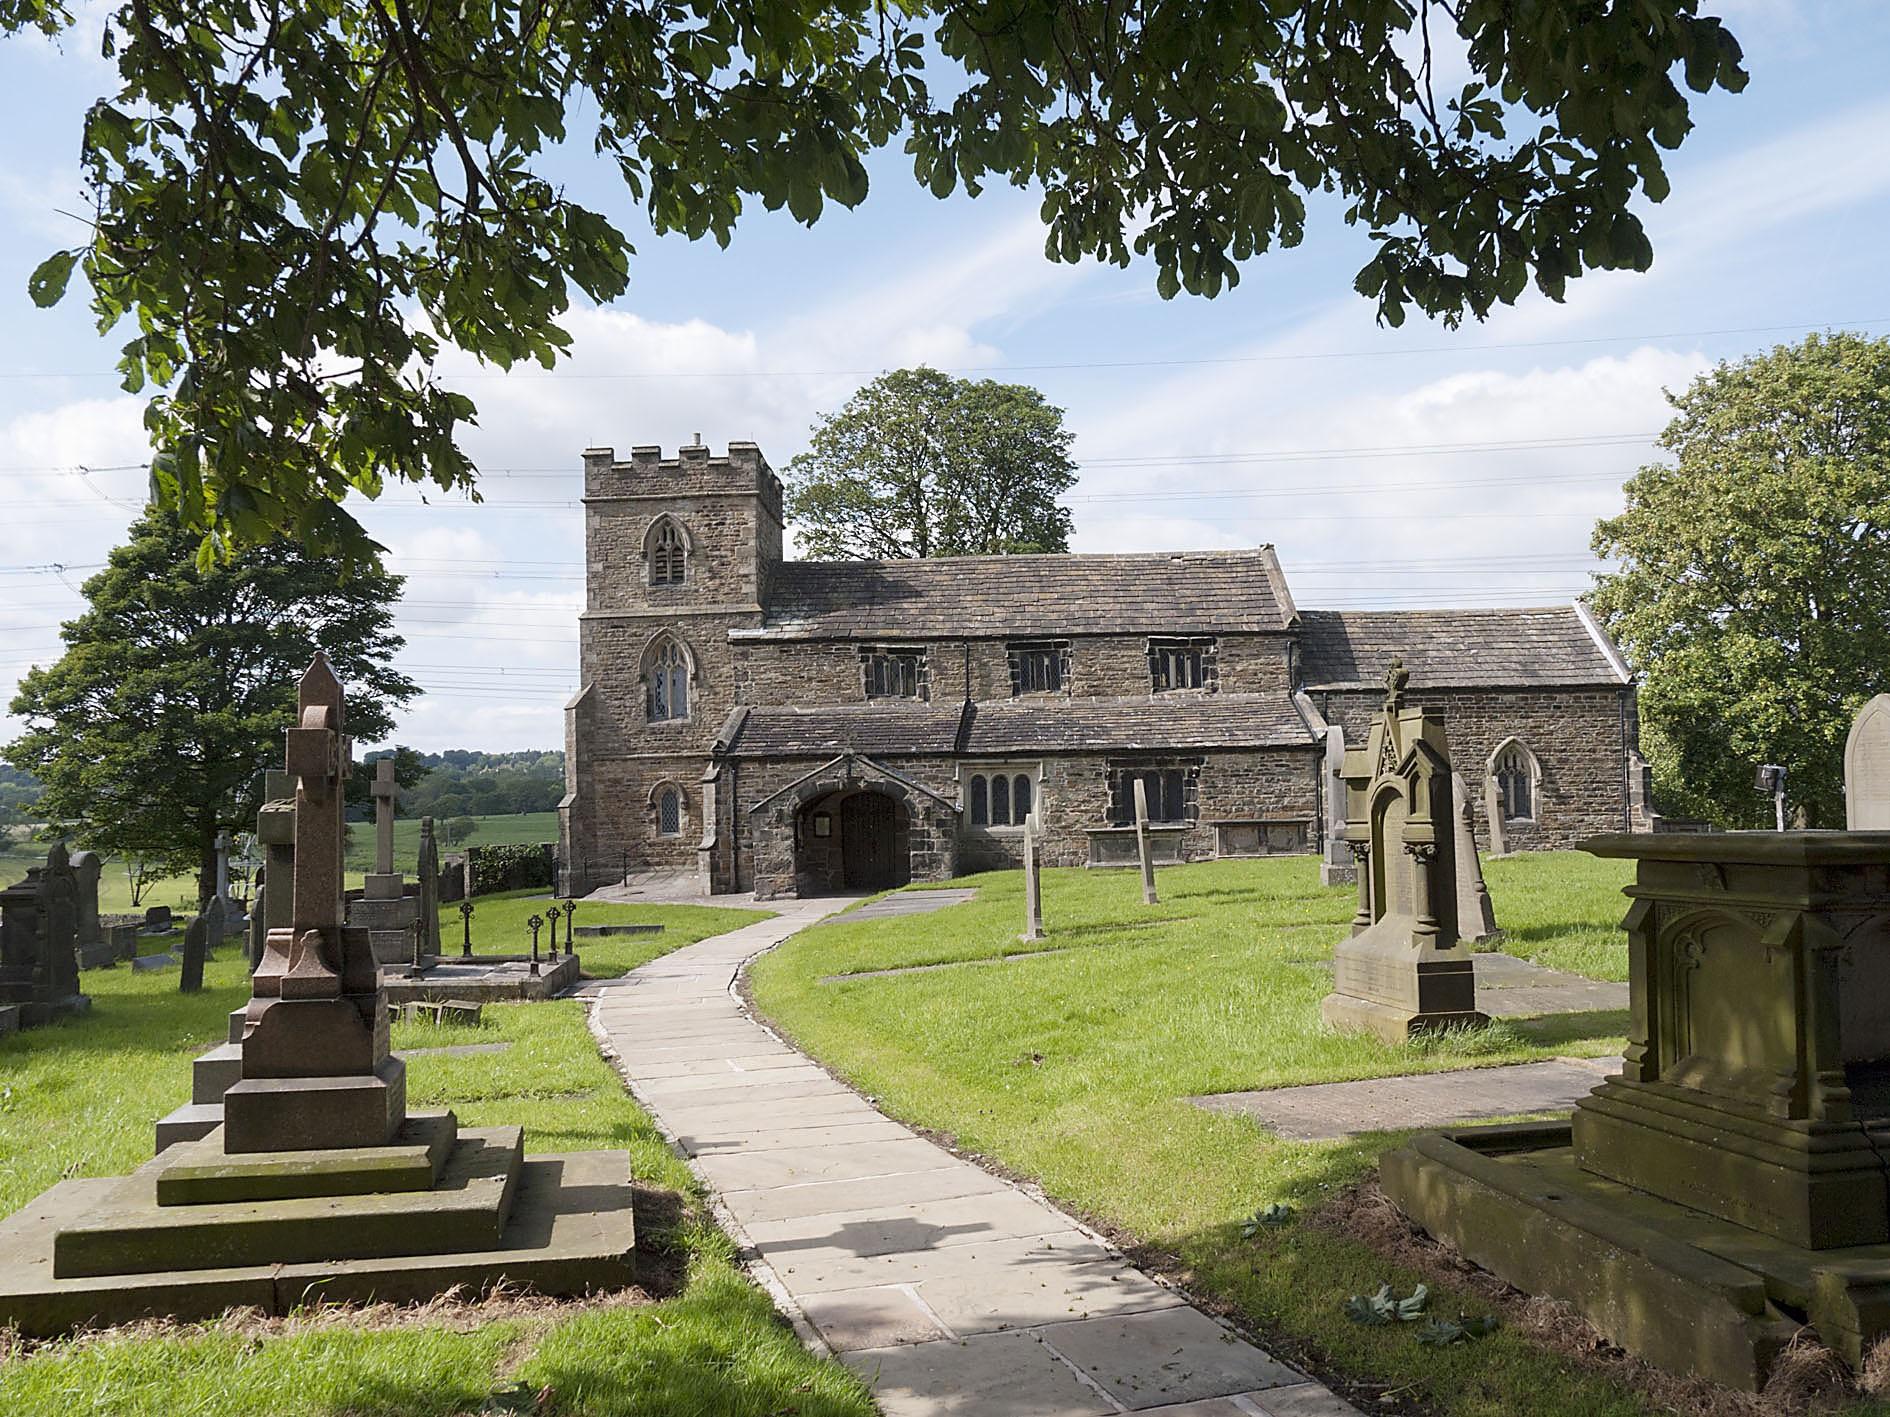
pixel 180 892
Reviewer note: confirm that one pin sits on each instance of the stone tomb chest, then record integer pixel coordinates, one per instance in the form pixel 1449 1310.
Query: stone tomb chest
pixel 1732 1183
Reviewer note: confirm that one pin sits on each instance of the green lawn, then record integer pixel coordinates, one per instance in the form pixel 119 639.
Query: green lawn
pixel 499 927
pixel 78 1099
pixel 1073 1067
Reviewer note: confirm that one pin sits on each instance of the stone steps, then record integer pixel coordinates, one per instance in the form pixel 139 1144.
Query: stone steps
pixel 215 1072
pixel 191 1122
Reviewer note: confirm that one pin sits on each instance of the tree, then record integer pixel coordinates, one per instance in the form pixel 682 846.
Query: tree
pixel 460 829
pixel 295 206
pixel 1753 591
pixel 152 731
pixel 921 464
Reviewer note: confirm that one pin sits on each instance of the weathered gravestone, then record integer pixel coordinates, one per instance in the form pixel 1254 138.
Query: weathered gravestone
pixel 1867 768
pixel 388 907
pixel 1493 816
pixel 1142 855
pixel 198 936
pixel 319 1185
pixel 1476 915
pixel 95 951
pixel 429 873
pixel 1033 884
pixel 1730 1186
pixel 1336 866
pixel 39 923
pixel 1404 969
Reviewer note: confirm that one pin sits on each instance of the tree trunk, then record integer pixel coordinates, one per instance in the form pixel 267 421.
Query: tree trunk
pixel 206 862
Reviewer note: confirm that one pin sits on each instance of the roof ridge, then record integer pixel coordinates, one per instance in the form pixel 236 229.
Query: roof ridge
pixel 1263 548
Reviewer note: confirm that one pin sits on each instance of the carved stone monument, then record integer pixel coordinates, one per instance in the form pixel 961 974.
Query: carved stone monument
pixel 318 1184
pixel 1142 854
pixel 1403 970
pixel 388 906
pixel 1731 1184
pixel 1476 915
pixel 428 926
pixel 95 951
pixel 1867 768
pixel 1493 816
pixel 39 924
pixel 1336 867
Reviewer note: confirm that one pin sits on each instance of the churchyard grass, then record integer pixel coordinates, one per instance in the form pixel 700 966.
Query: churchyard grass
pixel 713 1349
pixel 499 927
pixel 1073 1068
pixel 514 829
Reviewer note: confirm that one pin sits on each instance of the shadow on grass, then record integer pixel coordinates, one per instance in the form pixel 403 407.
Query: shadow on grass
pixel 1552 1030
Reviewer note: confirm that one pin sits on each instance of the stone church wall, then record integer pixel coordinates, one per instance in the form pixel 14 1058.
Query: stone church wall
pixel 1577 736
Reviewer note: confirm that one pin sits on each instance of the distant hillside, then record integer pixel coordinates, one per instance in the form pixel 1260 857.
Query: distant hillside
pixel 463 783
pixel 20 790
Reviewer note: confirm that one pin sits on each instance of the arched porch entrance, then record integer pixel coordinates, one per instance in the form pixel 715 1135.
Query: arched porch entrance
pixel 854 840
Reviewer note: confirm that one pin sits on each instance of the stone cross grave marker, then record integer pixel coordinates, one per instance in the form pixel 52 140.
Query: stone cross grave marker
pixel 1033 885
pixel 1142 849
pixel 1867 768
pixel 223 845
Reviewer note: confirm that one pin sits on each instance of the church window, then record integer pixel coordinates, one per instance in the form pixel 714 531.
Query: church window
pixel 999 798
pixel 1514 768
pixel 893 672
pixel 669 811
pixel 1040 667
pixel 1167 790
pixel 1181 664
pixel 668 681
pixel 669 554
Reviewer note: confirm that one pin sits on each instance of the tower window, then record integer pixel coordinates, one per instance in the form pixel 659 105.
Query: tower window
pixel 669 812
pixel 668 679
pixel 669 554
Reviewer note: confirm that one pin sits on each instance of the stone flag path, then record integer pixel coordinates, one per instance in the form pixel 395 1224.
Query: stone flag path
pixel 949 1290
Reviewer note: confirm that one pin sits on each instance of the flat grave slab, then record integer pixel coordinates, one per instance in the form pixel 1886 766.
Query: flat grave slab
pixel 1326 1111
pixel 897 907
pixel 1508 987
pixel 481 981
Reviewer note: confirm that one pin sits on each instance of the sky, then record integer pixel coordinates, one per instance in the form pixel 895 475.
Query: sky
pixel 1421 466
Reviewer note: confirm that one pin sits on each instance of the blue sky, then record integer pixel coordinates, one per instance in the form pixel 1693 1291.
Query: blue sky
pixel 1420 466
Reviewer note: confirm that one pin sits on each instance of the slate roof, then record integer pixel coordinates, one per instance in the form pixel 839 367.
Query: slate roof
pixel 1508 648
pixel 1160 723
pixel 1201 592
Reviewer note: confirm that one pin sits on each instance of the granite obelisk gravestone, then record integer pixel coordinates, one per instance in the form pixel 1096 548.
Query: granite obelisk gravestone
pixel 1142 847
pixel 1867 768
pixel 428 928
pixel 1033 886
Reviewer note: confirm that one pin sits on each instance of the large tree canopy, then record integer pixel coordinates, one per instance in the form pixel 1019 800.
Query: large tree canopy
pixel 297 203
pixel 151 732
pixel 921 464
pixel 1754 584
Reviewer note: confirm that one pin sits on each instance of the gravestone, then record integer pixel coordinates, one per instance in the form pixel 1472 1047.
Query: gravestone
pixel 198 936
pixel 1404 970
pixel 1867 768
pixel 319 1184
pixel 275 837
pixel 1141 843
pixel 39 922
pixel 223 845
pixel 157 919
pixel 1729 1186
pixel 1476 914
pixel 429 872
pixel 384 882
pixel 388 907
pixel 95 951
pixel 1336 866
pixel 1493 816
pixel 1033 886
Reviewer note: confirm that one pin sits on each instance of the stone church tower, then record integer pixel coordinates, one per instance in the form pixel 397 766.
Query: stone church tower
pixel 679 552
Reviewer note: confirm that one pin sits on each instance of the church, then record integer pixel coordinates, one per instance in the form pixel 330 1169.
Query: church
pixel 798 727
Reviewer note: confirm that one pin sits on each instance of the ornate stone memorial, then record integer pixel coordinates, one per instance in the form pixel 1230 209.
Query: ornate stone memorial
pixel 318 1184
pixel 1336 867
pixel 1732 1183
pixel 1403 970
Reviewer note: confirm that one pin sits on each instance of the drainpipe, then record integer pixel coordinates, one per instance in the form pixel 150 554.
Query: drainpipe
pixel 1627 793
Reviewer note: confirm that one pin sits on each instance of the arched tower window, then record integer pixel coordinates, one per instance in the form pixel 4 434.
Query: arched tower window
pixel 669 810
pixel 668 553
pixel 1518 779
pixel 666 674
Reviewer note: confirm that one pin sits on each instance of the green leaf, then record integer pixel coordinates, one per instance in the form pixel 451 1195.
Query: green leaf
pixel 47 284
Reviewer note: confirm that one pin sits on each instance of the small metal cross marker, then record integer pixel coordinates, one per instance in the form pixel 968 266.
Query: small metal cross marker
pixel 465 920
pixel 570 909
pixel 553 914
pixel 537 923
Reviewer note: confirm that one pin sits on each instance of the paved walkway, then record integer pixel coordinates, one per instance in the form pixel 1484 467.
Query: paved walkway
pixel 951 1291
